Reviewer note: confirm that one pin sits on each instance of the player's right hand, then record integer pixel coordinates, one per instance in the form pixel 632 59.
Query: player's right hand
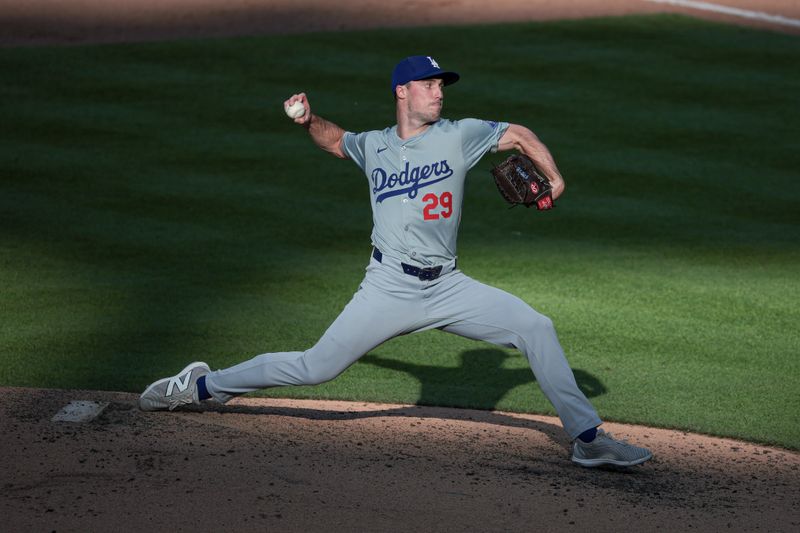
pixel 300 97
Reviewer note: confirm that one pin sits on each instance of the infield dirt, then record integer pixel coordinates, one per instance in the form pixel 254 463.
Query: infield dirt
pixel 299 465
pixel 82 21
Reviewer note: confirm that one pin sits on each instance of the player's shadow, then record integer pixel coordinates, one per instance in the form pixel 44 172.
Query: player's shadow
pixel 480 381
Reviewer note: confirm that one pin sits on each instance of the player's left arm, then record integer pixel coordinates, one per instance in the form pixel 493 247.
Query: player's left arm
pixel 522 139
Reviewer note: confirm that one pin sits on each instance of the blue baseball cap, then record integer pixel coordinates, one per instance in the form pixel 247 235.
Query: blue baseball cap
pixel 416 68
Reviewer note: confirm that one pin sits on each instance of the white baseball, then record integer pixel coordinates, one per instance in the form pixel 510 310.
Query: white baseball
pixel 296 110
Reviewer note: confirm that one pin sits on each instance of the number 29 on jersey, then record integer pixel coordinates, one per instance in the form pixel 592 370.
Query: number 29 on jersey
pixel 437 206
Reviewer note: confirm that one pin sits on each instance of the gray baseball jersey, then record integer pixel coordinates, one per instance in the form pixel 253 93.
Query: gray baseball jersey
pixel 412 283
pixel 417 184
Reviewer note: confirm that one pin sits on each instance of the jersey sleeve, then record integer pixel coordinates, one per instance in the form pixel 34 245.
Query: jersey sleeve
pixel 479 137
pixel 354 147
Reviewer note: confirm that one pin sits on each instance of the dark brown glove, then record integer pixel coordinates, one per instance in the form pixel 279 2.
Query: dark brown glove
pixel 520 182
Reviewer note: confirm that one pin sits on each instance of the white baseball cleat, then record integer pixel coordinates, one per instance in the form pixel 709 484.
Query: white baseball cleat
pixel 169 393
pixel 605 450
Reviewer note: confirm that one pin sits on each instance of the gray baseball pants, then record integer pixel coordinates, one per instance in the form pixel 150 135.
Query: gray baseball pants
pixel 390 303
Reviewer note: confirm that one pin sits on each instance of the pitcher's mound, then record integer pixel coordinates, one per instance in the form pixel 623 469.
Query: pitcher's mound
pixel 292 465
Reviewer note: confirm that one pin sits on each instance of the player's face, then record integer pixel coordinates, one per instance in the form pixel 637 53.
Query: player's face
pixel 424 102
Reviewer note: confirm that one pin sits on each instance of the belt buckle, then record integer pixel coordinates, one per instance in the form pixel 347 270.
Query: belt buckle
pixel 429 273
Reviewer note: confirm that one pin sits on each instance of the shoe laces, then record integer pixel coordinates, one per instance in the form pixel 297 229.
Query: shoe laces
pixel 603 433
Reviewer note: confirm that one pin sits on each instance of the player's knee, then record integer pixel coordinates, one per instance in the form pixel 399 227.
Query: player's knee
pixel 530 329
pixel 317 374
pixel 327 360
pixel 540 325
pixel 544 323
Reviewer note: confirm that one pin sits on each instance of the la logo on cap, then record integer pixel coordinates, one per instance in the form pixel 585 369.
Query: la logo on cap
pixel 415 68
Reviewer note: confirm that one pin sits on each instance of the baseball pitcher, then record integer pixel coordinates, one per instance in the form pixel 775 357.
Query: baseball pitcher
pixel 415 172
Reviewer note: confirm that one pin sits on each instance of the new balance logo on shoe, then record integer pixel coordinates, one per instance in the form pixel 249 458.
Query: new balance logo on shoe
pixel 176 391
pixel 181 384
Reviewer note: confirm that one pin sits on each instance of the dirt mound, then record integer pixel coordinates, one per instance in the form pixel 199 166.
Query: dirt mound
pixel 292 465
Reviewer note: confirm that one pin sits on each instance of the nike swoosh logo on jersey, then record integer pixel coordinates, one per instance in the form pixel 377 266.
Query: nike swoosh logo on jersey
pixel 382 149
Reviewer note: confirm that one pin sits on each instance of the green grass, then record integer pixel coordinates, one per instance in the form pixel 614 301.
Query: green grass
pixel 156 207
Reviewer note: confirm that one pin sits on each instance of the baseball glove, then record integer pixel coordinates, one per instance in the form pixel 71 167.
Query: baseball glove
pixel 520 182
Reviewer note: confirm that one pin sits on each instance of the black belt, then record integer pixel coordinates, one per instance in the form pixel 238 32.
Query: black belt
pixel 424 274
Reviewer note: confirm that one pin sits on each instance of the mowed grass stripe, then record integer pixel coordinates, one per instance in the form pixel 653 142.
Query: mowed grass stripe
pixel 156 206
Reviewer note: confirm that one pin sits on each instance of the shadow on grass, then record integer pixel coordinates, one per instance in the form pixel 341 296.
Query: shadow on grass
pixel 480 381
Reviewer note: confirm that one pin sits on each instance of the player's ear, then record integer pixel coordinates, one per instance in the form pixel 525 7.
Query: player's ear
pixel 400 92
